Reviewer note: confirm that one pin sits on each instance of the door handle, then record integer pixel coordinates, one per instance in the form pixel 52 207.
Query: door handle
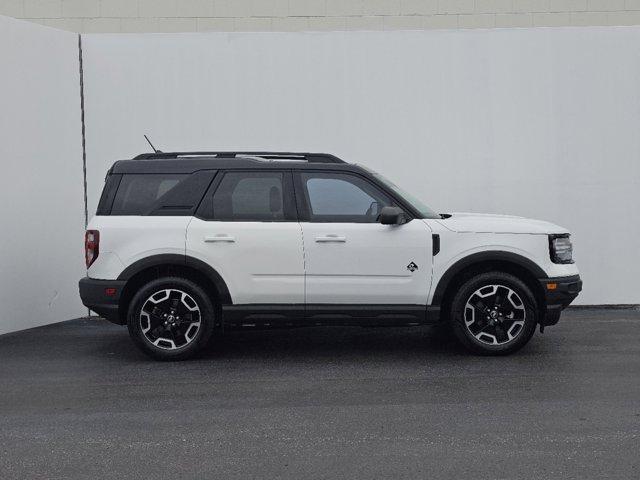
pixel 220 238
pixel 332 237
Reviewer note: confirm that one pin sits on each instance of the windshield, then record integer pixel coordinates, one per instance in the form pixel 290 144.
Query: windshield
pixel 424 211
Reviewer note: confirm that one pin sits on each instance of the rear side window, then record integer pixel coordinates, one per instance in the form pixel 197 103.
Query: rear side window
pixel 137 194
pixel 252 197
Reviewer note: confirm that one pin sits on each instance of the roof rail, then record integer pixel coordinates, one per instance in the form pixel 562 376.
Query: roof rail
pixel 308 157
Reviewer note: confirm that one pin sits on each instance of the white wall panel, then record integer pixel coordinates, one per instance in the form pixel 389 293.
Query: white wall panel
pixel 538 122
pixel 42 209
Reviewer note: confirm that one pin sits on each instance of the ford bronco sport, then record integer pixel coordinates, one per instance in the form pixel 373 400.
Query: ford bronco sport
pixel 185 245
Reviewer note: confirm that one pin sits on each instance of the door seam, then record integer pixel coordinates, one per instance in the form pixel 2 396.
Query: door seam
pixel 304 269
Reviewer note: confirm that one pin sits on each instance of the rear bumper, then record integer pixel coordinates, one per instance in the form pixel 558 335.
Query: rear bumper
pixel 559 293
pixel 102 297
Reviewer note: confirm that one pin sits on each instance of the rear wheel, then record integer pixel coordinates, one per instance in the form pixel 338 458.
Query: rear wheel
pixel 171 318
pixel 494 313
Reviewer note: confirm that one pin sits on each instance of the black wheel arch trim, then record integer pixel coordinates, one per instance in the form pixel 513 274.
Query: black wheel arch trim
pixel 481 257
pixel 168 259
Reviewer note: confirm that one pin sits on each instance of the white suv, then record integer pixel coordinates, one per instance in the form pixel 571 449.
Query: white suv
pixel 186 245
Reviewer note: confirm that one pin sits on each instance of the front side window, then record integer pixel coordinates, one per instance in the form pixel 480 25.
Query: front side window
pixel 342 197
pixel 250 196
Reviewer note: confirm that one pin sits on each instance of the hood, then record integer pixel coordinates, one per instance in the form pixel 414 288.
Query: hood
pixel 491 223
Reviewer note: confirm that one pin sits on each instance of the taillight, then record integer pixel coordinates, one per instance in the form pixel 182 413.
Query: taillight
pixel 91 246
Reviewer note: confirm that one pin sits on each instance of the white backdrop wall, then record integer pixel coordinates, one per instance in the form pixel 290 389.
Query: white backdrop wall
pixel 536 122
pixel 42 207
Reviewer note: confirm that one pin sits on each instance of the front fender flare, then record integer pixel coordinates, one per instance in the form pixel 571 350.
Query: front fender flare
pixel 480 257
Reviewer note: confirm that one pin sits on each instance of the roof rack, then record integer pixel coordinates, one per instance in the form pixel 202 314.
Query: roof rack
pixel 308 157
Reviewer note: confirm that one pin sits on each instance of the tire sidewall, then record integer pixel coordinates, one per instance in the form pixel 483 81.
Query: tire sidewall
pixel 492 278
pixel 207 318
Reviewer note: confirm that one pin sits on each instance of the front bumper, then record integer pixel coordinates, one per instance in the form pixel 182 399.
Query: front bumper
pixel 102 297
pixel 559 293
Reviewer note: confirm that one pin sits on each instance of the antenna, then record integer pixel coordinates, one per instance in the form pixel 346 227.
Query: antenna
pixel 155 150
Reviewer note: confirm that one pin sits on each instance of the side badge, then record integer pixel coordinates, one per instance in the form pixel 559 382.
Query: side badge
pixel 412 267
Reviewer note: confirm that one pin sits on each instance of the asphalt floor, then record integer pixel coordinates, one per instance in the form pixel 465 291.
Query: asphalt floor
pixel 78 400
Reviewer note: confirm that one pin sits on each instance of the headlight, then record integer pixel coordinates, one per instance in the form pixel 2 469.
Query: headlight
pixel 560 249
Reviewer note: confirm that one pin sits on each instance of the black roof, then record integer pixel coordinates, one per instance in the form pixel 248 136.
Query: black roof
pixel 189 162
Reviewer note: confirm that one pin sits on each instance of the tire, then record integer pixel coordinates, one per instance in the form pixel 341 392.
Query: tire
pixel 493 313
pixel 171 318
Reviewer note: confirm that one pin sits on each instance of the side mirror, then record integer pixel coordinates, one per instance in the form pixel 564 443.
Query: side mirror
pixel 392 216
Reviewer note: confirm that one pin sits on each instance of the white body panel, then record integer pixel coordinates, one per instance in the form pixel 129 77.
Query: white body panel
pixel 127 239
pixel 348 263
pixel 456 246
pixel 261 262
pixel 366 263
pixel 493 223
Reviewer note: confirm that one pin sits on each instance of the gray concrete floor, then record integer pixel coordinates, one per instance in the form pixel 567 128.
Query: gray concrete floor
pixel 77 400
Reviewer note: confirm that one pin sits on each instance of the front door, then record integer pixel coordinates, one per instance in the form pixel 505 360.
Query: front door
pixel 350 258
pixel 248 232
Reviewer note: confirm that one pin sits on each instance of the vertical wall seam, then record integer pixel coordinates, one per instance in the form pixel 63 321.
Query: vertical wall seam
pixel 84 143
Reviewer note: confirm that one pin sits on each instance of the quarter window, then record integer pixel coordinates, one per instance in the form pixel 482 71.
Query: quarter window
pixel 340 197
pixel 138 193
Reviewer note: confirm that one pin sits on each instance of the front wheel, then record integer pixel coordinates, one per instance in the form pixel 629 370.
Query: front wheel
pixel 494 313
pixel 171 318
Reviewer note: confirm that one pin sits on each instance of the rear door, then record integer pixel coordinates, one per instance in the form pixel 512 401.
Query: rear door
pixel 351 258
pixel 247 230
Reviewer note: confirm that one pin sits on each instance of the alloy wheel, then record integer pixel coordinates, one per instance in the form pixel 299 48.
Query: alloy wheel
pixel 494 314
pixel 170 319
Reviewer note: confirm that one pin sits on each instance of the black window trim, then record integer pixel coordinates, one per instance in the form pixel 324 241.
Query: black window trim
pixel 304 211
pixel 109 191
pixel 205 211
pixel 107 198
